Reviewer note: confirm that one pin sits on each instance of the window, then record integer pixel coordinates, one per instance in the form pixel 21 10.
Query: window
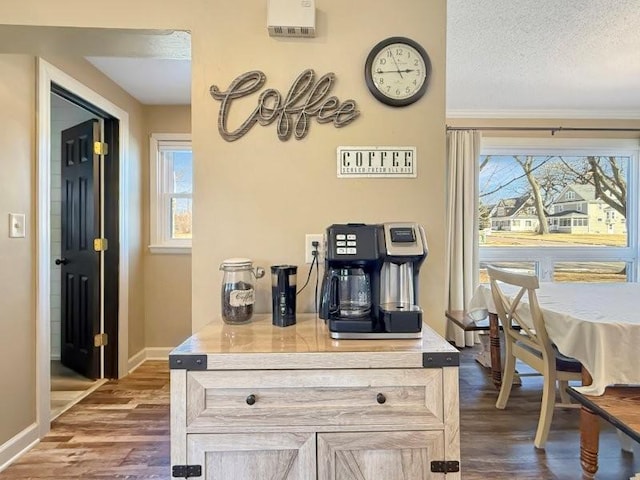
pixel 171 176
pixel 564 237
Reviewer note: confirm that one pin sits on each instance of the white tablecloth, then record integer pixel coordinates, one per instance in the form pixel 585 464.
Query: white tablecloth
pixel 595 323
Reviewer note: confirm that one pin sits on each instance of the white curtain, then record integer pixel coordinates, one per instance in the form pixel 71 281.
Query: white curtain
pixel 463 151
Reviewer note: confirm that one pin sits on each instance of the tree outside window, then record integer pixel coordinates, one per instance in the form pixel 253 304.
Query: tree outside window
pixel 552 204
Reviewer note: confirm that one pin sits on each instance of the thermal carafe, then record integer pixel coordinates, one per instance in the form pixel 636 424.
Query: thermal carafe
pixel 283 294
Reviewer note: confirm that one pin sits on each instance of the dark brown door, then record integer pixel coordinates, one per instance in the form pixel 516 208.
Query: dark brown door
pixel 80 263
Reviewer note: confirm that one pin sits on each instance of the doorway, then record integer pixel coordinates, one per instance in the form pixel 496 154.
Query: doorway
pixel 67 385
pixel 55 88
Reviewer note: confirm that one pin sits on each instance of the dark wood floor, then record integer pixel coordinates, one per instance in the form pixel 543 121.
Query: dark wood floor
pixel 498 444
pixel 119 431
pixel 122 431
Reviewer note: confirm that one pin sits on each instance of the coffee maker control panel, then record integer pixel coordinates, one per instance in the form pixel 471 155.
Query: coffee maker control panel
pixel 353 242
pixel 346 244
pixel 405 240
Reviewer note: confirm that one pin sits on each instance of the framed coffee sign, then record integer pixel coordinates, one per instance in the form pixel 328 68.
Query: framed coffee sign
pixel 387 162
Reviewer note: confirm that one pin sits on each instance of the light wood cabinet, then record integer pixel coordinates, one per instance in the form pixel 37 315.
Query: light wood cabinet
pixel 277 456
pixel 379 455
pixel 312 408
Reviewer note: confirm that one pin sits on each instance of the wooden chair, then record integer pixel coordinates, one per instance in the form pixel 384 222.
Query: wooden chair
pixel 530 344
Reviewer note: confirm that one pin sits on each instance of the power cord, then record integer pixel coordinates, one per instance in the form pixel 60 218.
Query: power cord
pixel 315 298
pixel 314 262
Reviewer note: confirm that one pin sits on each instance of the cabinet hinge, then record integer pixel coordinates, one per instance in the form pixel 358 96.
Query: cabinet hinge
pixel 100 148
pixel 450 466
pixel 186 471
pixel 100 340
pixel 100 244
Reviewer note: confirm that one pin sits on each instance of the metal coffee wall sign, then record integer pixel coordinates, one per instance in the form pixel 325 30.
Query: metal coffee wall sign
pixel 389 162
pixel 306 98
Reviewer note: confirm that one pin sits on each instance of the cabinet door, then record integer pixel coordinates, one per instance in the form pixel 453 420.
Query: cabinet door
pixel 379 455
pixel 273 456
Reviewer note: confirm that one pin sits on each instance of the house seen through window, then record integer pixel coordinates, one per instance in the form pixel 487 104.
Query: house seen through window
pixel 565 210
pixel 171 170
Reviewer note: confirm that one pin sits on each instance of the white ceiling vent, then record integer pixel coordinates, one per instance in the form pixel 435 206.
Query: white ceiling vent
pixel 291 18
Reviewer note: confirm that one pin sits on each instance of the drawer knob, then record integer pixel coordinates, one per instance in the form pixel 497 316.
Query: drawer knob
pixel 381 398
pixel 251 399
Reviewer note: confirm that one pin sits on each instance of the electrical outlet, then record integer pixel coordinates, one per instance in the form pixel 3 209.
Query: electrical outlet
pixel 308 247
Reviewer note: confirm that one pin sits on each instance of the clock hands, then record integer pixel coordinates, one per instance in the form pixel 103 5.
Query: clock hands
pixel 406 70
pixel 396 64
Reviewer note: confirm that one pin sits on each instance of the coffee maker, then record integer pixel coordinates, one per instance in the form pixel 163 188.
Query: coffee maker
pixel 370 282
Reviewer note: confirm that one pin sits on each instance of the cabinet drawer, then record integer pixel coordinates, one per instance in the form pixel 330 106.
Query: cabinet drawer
pixel 388 398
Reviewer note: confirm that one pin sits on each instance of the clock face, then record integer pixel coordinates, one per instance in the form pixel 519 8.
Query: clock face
pixel 397 71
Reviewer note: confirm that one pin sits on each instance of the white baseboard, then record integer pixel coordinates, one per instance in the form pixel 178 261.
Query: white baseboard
pixel 149 353
pixel 158 353
pixel 18 445
pixel 137 360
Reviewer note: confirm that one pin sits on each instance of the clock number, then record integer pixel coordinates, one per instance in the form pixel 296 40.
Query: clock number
pixel 383 61
pixel 398 91
pixel 381 81
pixel 415 62
pixel 399 51
pixel 389 53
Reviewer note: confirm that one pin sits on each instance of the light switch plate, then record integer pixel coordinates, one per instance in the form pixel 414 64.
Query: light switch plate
pixel 17 225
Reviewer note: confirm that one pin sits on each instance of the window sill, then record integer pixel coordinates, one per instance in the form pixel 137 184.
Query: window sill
pixel 170 249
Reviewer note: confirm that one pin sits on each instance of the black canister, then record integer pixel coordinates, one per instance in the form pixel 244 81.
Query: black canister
pixel 283 294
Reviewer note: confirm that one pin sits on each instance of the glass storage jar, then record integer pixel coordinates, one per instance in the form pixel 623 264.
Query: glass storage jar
pixel 238 294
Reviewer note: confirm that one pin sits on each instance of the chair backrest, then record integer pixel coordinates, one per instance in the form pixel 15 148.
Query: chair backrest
pixel 512 311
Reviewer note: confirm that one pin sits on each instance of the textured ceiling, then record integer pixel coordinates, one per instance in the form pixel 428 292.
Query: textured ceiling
pixel 505 58
pixel 551 57
pixel 152 81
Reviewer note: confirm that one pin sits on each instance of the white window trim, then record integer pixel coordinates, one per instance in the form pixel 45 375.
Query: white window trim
pixel 551 146
pixel 158 228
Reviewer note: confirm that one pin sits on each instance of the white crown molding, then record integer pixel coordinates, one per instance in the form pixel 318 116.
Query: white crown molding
pixel 560 114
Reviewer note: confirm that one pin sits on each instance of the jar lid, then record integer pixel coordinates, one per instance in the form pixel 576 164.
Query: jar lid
pixel 237 262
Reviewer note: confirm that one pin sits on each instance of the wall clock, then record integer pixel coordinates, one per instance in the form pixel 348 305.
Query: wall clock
pixel 397 71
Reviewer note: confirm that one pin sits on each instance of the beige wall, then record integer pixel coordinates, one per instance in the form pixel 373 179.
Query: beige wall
pixel 241 205
pixel 258 196
pixel 167 277
pixel 17 262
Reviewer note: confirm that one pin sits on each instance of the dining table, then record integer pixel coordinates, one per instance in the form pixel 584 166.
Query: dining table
pixel 595 323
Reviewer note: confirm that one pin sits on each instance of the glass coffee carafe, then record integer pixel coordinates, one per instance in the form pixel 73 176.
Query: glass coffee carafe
pixel 351 292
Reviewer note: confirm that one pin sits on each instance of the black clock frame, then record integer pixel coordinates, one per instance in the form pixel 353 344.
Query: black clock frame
pixel 394 102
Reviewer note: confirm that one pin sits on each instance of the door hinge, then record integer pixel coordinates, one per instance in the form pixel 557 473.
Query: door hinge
pixel 100 244
pixel 186 471
pixel 100 148
pixel 450 466
pixel 100 340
